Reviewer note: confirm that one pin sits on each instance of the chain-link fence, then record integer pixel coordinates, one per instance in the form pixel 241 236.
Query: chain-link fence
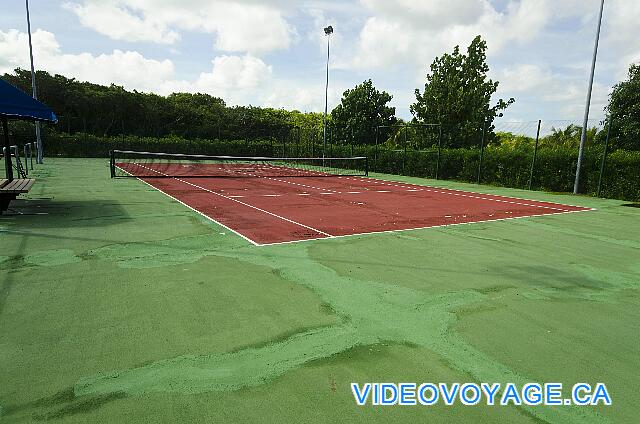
pixel 539 155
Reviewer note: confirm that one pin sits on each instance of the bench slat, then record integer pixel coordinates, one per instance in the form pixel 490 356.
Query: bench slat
pixel 18 186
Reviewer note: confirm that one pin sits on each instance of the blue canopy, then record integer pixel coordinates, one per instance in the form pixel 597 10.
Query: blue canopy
pixel 16 104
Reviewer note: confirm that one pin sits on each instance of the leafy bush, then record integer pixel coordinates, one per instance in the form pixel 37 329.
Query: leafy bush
pixel 503 165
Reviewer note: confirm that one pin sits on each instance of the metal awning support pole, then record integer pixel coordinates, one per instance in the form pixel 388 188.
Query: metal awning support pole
pixel 7 149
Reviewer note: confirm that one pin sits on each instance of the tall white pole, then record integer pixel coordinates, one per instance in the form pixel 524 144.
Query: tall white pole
pixel 583 138
pixel 328 31
pixel 34 91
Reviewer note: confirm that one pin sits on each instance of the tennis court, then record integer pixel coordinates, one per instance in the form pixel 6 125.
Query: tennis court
pixel 118 304
pixel 277 200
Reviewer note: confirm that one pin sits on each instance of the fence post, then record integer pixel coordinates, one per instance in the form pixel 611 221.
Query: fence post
pixel 484 130
pixel 284 145
pixel 439 149
pixel 375 150
pixel 604 156
pixel 271 146
pixel 535 154
pixel 404 156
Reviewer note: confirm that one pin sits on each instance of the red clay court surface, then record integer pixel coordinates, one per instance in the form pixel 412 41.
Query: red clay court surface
pixel 270 210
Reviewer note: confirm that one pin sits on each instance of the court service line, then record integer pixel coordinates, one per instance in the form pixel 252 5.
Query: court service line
pixel 241 202
pixel 240 196
pixel 302 185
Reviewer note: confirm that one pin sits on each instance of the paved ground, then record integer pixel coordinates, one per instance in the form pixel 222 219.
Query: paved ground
pixel 118 304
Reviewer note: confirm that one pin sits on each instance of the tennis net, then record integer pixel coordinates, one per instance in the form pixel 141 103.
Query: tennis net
pixel 124 163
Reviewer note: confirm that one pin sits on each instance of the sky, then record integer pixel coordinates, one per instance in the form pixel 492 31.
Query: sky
pixel 273 53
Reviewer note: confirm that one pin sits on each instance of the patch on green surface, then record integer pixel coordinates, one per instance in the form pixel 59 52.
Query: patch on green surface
pixel 52 257
pixel 4 258
pixel 182 250
pixel 371 313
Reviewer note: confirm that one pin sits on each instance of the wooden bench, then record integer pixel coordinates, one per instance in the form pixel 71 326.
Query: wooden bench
pixel 9 190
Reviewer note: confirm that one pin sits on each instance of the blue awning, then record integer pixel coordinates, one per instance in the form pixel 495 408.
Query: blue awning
pixel 16 104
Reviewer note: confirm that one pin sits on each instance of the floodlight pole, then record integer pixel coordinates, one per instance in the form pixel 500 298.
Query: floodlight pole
pixel 327 31
pixel 33 87
pixel 583 137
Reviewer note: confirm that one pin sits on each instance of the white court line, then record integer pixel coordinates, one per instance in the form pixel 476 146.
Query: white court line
pixel 479 196
pixel 195 210
pixel 424 228
pixel 301 185
pixel 431 188
pixel 240 202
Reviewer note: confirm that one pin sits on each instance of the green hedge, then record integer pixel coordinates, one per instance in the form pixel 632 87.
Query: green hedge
pixel 554 170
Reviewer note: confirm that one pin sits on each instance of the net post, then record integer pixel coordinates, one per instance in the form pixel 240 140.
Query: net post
pixel 604 156
pixel 112 163
pixel 535 154
pixel 366 166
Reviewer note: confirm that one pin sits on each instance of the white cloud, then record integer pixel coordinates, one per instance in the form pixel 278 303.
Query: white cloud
pixel 523 78
pixel 538 49
pixel 434 14
pixel 239 80
pixel 620 30
pixel 120 23
pixel 126 68
pixel 562 93
pixel 415 32
pixel 240 26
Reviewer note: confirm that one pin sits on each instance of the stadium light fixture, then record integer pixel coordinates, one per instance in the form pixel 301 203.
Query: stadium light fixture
pixel 327 31
pixel 583 136
pixel 34 91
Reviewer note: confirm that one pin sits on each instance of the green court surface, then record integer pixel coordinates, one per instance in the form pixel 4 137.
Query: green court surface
pixel 118 304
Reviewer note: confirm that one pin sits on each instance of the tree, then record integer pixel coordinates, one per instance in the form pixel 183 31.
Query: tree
pixel 112 110
pixel 361 110
pixel 457 95
pixel 569 137
pixel 624 108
